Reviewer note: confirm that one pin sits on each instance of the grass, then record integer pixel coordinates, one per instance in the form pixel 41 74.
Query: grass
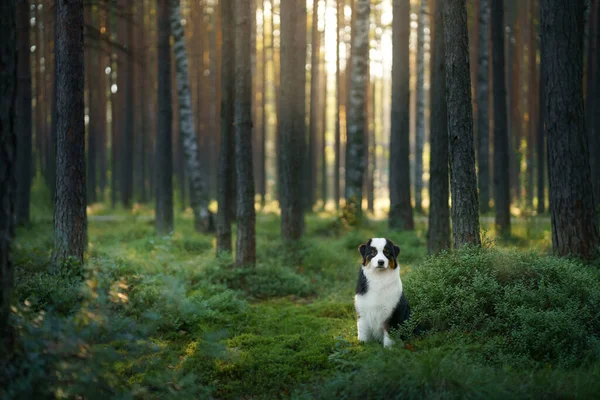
pixel 162 317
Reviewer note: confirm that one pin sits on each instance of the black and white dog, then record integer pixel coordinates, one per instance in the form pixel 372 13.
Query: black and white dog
pixel 380 302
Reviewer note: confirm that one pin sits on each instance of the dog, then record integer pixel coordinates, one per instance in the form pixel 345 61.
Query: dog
pixel 379 302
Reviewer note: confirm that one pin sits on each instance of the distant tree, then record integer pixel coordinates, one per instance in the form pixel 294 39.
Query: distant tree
pixel 127 78
pixel 438 237
pixel 8 80
pixel 24 114
pixel 465 205
pixel 163 150
pixel 70 221
pixel 291 119
pixel 246 216
pixel 338 97
pixel 501 143
pixel 541 144
pixel 573 215
pixel 483 105
pixel 531 102
pixel 198 191
pixel 313 127
pixel 420 134
pixel 401 216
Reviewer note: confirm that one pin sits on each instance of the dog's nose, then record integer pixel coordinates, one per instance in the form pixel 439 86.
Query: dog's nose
pixel 380 263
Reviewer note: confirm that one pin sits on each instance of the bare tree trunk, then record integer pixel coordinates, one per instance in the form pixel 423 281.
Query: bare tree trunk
pixel 540 144
pixel 126 71
pixel 531 98
pixel 438 238
pixel 593 100
pixel 573 214
pixel 401 216
pixel 483 105
pixel 225 196
pixel 355 149
pixel 263 135
pixel 8 139
pixel 198 192
pixel 323 140
pixel 311 160
pixel 24 116
pixel 70 221
pixel 501 142
pixel 164 161
pixel 338 97
pixel 420 136
pixel 246 216
pixel 465 204
pixel 140 145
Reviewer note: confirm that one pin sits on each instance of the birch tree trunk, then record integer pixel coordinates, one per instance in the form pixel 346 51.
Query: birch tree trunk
pixel 198 192
pixel 70 221
pixel 355 149
pixel 438 238
pixel 401 216
pixel 465 204
pixel 420 136
pixel 573 214
pixel 483 106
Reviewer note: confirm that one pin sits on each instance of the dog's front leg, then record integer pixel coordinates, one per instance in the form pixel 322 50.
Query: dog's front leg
pixel 387 340
pixel 363 334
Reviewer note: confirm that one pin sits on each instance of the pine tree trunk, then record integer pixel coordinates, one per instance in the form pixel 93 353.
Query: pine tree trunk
pixel 291 118
pixel 323 77
pixel 401 216
pixel 593 100
pixel 541 144
pixel 420 136
pixel 8 141
pixel 92 106
pixel 311 160
pixel 463 180
pixel 531 98
pixel 140 145
pixel 573 214
pixel 438 238
pixel 198 191
pixel 246 217
pixel 338 97
pixel 51 167
pixel 483 106
pixel 355 148
pixel 263 135
pixel 114 126
pixel 501 142
pixel 23 123
pixel 163 149
pixel 127 73
pixel 225 196
pixel 70 221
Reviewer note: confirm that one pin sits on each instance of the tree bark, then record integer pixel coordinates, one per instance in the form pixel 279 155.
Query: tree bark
pixel 531 99
pixel 483 106
pixel 311 160
pixel 246 216
pixel 338 97
pixel 291 118
pixel 8 141
pixel 593 100
pixel 420 135
pixel 23 114
pixel 540 144
pixel 127 72
pixel 225 196
pixel 465 205
pixel 198 192
pixel 163 150
pixel 573 215
pixel 70 221
pixel 501 142
pixel 439 213
pixel 401 216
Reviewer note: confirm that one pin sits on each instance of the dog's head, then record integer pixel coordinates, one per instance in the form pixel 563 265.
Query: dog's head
pixel 379 253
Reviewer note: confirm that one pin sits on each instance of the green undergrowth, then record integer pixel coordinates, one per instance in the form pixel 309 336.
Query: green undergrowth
pixel 163 317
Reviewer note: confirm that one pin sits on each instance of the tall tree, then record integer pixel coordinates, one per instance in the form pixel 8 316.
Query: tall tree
pixel 401 216
pixel 8 80
pixel 70 221
pixel 593 99
pixel 483 105
pixel 311 160
pixel 420 134
pixel 163 150
pixel 338 97
pixel 91 64
pixel 246 216
pixel 225 196
pixel 126 71
pixel 24 115
pixel 198 190
pixel 532 102
pixel 439 213
pixel 291 119
pixel 540 143
pixel 501 142
pixel 463 181
pixel 573 215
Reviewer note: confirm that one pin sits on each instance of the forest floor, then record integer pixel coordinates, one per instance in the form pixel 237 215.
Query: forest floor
pixel 162 317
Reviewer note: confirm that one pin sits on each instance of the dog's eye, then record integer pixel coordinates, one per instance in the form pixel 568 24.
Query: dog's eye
pixel 373 253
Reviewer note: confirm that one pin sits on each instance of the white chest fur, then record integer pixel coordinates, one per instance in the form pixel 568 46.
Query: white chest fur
pixel 376 305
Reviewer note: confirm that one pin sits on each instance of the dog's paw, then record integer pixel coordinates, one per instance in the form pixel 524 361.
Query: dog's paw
pixel 387 342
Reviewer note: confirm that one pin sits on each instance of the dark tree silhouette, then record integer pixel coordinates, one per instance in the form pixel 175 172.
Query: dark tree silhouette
pixel 465 205
pixel 24 116
pixel 593 99
pixel 483 105
pixel 401 216
pixel 501 144
pixel 163 150
pixel 439 213
pixel 572 208
pixel 246 216
pixel 70 222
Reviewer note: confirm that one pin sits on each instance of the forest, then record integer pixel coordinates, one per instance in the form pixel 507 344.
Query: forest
pixel 185 184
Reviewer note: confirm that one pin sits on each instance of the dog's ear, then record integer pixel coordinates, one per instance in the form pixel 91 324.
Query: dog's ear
pixel 396 251
pixel 363 252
